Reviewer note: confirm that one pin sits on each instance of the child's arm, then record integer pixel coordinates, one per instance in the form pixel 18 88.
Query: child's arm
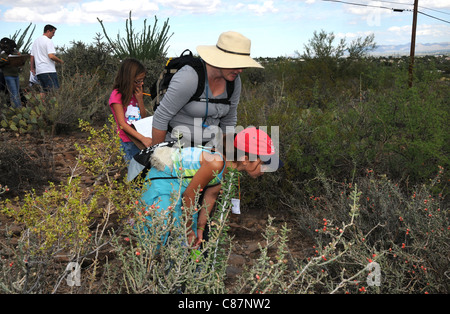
pixel 209 167
pixel 209 200
pixel 120 115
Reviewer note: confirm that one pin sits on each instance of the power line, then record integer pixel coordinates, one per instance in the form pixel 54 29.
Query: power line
pixel 394 2
pixel 368 5
pixel 434 17
pixel 434 10
pixel 392 9
pixel 414 26
pixel 410 4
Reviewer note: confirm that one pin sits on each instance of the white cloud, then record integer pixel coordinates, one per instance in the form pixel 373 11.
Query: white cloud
pixel 192 6
pixel 435 4
pixel 352 36
pixel 57 11
pixel 87 11
pixel 260 9
pixel 239 6
pixel 425 33
pixel 399 29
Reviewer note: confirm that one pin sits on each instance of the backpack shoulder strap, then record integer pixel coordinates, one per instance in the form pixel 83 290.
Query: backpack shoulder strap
pixel 230 89
pixel 199 66
pixel 160 87
pixel 201 86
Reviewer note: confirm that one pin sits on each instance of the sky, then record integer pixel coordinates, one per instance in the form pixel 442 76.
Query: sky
pixel 278 28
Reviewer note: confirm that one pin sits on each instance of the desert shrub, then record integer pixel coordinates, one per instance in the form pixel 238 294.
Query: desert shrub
pixel 22 170
pixel 399 131
pixel 102 230
pixel 66 222
pixel 88 101
pixel 409 131
pixel 24 40
pixel 90 59
pixel 80 97
pixel 368 236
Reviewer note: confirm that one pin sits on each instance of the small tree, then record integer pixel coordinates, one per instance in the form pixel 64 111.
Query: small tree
pixel 360 47
pixel 321 46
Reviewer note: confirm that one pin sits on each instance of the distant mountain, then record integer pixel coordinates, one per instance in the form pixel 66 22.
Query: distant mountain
pixel 421 49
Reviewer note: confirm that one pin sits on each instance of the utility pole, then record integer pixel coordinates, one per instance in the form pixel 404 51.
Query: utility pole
pixel 413 43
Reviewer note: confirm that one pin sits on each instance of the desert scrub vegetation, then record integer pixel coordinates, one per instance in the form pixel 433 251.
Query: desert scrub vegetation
pixel 364 183
pixel 372 220
pixel 351 226
pixel 104 232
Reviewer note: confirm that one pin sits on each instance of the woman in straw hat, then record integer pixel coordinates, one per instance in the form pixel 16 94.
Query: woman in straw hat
pixel 199 121
pixel 186 172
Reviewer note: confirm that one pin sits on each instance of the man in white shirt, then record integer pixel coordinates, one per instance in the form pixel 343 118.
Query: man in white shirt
pixel 43 60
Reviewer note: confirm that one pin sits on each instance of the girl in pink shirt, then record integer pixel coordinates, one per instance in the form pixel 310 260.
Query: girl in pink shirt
pixel 127 104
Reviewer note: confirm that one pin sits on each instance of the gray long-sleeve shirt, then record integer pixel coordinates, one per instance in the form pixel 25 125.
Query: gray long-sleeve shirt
pixel 187 117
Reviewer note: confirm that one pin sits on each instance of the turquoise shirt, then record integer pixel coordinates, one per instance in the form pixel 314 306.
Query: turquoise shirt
pixel 189 163
pixel 167 191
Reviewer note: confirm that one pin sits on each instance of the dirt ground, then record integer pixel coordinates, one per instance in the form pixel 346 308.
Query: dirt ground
pixel 56 159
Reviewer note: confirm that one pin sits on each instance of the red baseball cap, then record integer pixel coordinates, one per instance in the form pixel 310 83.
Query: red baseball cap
pixel 254 141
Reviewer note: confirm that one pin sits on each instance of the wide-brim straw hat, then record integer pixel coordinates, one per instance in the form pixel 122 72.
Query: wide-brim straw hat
pixel 231 52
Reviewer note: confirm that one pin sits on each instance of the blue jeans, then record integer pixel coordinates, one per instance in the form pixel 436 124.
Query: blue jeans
pixel 13 84
pixel 129 149
pixel 48 81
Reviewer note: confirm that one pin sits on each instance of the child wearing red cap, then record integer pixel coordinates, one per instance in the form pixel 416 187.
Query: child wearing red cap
pixel 190 170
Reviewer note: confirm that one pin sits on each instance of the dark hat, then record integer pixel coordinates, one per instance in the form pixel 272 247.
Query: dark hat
pixel 7 44
pixel 4 42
